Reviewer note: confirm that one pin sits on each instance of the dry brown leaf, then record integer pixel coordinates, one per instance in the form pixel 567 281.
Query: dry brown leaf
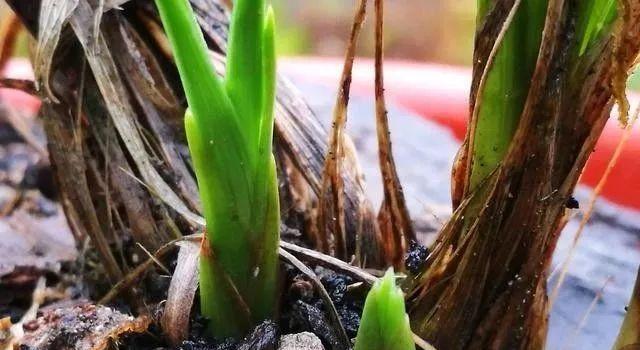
pixel 331 231
pixel 53 17
pixel 117 102
pixel 393 219
pixel 182 290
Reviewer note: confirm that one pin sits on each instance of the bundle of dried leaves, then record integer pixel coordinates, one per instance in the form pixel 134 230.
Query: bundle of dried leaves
pixel 113 115
pixel 485 285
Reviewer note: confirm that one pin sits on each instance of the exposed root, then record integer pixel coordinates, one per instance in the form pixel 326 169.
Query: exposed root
pixel 16 331
pixel 184 282
pixel 330 262
pixel 137 273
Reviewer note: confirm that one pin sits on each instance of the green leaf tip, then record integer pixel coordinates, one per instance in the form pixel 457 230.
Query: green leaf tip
pixel 596 16
pixel 229 127
pixel 385 324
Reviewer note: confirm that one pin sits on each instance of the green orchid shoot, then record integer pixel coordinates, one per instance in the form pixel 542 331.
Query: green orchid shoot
pixel 229 126
pixel 385 324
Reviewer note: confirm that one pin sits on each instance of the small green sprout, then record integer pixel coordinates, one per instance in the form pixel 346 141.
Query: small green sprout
pixel 385 324
pixel 229 126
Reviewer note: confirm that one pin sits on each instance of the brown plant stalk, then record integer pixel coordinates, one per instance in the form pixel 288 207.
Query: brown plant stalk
pixel 485 284
pixel 393 218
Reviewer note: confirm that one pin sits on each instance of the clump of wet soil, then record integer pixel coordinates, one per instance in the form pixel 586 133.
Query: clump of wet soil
pixel 416 257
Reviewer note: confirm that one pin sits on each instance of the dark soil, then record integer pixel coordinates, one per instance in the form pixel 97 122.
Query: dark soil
pixel 416 257
pixel 304 311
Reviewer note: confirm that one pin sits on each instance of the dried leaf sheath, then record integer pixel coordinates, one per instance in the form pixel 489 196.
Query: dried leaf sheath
pixel 331 205
pixel 394 220
pixel 74 187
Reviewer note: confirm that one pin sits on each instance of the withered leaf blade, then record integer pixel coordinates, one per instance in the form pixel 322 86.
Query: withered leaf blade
pixel 151 89
pixel 182 290
pixel 331 198
pixel 117 102
pixel 67 154
pixel 395 224
pixel 138 62
pixel 53 16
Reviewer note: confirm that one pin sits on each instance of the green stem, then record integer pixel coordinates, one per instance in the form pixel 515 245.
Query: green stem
pixel 229 130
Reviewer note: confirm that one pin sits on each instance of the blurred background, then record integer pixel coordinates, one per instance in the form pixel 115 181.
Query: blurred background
pixel 436 31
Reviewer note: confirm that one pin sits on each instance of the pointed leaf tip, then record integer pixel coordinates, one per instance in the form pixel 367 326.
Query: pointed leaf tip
pixel 385 325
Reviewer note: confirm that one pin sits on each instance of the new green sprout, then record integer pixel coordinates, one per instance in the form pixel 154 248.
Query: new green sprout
pixel 229 126
pixel 385 324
